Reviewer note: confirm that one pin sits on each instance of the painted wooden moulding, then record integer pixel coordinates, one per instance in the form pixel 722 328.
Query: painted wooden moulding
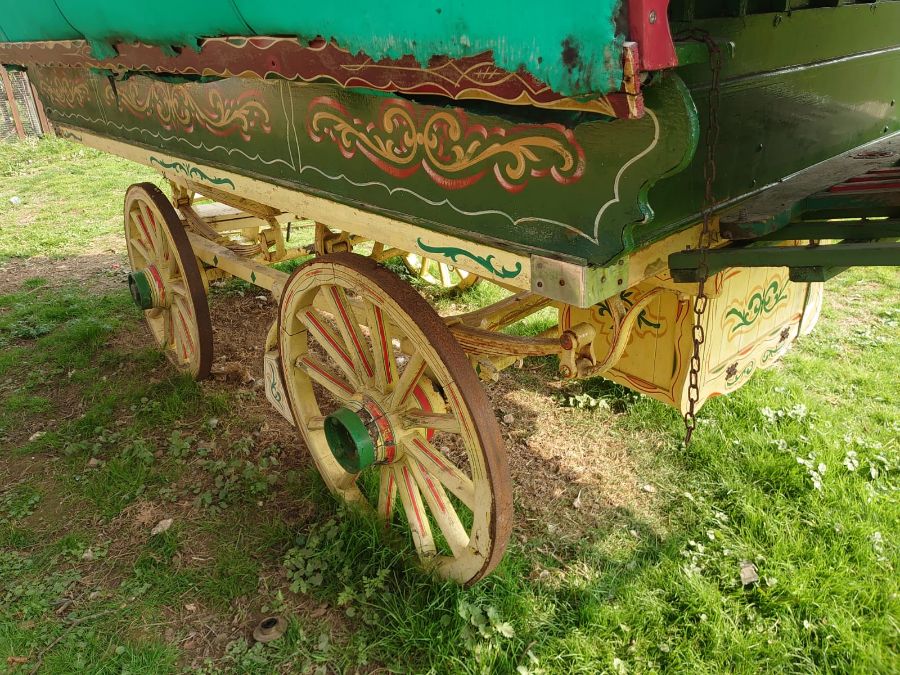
pixel 550 183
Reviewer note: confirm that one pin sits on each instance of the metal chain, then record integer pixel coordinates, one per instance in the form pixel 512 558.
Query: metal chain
pixel 705 242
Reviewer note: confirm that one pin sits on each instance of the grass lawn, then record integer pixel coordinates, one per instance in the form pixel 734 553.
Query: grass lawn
pixel 628 547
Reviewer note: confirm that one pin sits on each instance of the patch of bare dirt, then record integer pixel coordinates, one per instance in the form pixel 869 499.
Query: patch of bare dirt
pixel 102 268
pixel 571 473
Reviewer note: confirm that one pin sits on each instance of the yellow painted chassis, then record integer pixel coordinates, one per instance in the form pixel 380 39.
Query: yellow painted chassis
pixel 629 322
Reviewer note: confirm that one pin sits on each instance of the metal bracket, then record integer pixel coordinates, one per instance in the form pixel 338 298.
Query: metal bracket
pixel 574 284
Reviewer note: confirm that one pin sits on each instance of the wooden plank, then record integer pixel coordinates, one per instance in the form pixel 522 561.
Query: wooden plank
pixel 221 258
pixel 11 97
pixel 46 128
pixel 481 259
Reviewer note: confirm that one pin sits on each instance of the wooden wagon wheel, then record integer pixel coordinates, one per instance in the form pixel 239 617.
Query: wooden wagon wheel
pixel 166 281
pixel 439 273
pixel 390 408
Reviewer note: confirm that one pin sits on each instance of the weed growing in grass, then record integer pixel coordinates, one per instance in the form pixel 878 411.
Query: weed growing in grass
pixel 18 503
pixel 237 478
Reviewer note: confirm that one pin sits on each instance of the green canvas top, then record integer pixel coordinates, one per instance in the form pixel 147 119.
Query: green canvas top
pixel 570 45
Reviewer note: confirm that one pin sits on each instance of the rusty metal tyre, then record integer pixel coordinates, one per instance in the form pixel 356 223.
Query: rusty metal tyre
pixel 166 280
pixel 390 408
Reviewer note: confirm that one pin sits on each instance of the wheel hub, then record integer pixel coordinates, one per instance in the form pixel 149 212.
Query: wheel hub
pixel 360 438
pixel 147 288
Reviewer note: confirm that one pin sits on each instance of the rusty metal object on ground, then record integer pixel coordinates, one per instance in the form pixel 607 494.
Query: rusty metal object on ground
pixel 269 629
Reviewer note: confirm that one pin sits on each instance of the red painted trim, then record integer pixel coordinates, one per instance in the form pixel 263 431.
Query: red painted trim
pixel 159 283
pixel 412 385
pixel 351 328
pixel 475 77
pixel 384 346
pixel 409 490
pixel 327 335
pixel 324 373
pixel 150 239
pixel 428 452
pixel 187 331
pixel 389 502
pixel 432 489
pixel 648 25
pixel 425 404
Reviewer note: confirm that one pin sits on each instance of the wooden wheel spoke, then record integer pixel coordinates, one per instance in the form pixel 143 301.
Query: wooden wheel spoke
pixel 183 321
pixel 409 378
pixel 441 508
pixel 416 515
pixel 439 466
pixel 138 244
pixel 446 281
pixel 341 389
pixel 333 345
pixel 387 493
pixel 148 227
pixel 422 268
pixel 382 348
pixel 168 329
pixel 429 420
pixel 142 229
pixel 348 324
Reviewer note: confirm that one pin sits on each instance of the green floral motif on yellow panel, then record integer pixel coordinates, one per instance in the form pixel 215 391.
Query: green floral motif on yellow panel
pixel 761 303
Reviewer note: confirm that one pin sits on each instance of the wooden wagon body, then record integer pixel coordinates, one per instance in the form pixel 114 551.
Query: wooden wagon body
pixel 614 160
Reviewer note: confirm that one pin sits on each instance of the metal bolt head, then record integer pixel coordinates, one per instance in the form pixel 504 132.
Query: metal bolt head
pixel 652 16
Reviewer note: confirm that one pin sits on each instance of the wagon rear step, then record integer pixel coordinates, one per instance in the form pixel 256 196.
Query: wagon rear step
pixel 861 213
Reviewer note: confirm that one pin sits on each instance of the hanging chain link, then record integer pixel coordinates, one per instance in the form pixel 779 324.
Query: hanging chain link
pixel 705 242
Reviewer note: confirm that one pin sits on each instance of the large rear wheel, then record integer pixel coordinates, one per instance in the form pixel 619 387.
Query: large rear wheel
pixel 393 413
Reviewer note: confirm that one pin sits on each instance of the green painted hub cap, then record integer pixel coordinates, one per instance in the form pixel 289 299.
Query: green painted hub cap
pixel 139 285
pixel 349 440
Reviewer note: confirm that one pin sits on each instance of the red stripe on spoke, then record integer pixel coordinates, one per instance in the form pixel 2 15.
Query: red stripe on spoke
pixel 325 334
pixel 428 452
pixel 412 499
pixel 351 327
pixel 389 502
pixel 384 345
pixel 437 496
pixel 150 239
pixel 187 332
pixel 324 373
pixel 159 283
pixel 412 385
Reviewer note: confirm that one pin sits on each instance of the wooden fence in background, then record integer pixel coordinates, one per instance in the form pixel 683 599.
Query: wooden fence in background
pixel 21 114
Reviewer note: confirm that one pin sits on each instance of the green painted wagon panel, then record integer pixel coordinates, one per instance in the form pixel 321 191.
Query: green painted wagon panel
pixel 572 46
pixel 537 185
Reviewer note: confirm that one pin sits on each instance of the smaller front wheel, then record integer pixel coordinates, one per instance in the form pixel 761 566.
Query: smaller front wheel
pixel 392 412
pixel 166 281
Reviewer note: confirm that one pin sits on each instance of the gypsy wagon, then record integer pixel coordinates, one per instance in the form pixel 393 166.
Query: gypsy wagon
pixel 675 180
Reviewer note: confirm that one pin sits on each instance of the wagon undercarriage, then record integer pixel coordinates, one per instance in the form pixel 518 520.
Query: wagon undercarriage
pixel 670 204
